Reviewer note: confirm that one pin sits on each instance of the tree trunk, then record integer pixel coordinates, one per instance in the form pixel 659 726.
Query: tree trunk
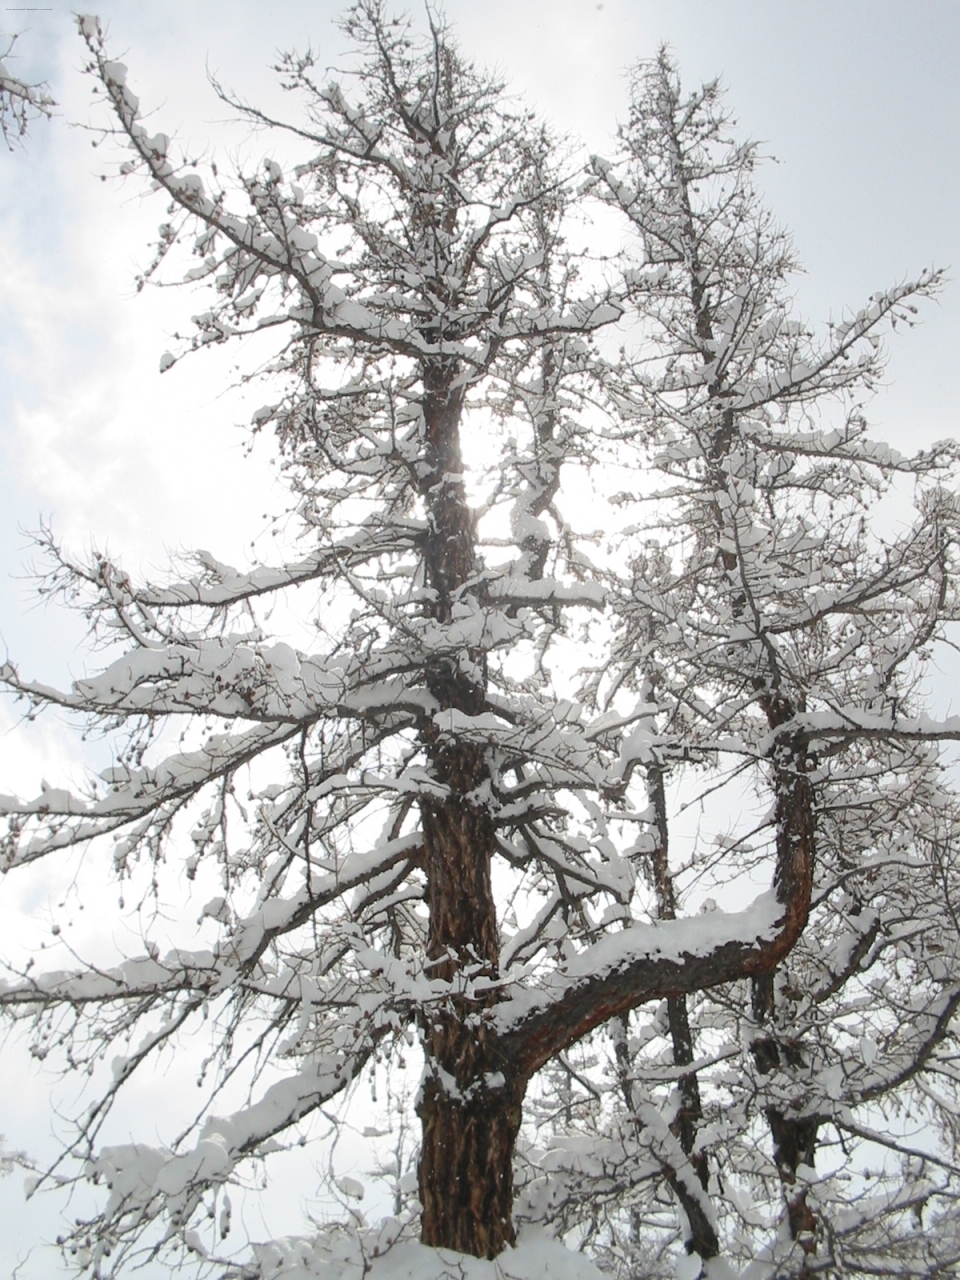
pixel 470 1101
pixel 470 1113
pixel 701 1236
pixel 691 1110
pixel 794 1136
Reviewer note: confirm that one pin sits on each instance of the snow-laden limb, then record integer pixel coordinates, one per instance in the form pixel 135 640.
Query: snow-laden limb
pixel 144 800
pixel 763 606
pixel 212 972
pixel 473 310
pixel 134 979
pixel 849 443
pixel 228 678
pixel 853 722
pixel 149 1185
pixel 20 102
pixel 641 963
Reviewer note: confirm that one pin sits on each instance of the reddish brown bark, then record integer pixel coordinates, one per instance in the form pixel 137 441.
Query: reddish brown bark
pixel 470 1110
pixel 469 1105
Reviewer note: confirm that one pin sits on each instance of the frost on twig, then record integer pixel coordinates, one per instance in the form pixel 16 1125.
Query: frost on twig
pixel 20 101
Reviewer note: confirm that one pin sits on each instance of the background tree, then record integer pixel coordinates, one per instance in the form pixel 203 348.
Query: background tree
pixel 439 838
pixel 774 621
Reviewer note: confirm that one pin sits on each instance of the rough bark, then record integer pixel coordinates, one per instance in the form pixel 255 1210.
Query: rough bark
pixel 474 1083
pixel 470 1103
pixel 470 1110
pixel 470 1106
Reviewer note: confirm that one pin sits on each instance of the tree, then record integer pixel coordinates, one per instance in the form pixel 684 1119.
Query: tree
pixel 448 829
pixel 772 623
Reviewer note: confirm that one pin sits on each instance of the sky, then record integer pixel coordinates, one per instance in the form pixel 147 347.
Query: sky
pixel 856 101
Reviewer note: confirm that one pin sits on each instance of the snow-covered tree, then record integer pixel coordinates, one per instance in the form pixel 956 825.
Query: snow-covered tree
pixel 445 806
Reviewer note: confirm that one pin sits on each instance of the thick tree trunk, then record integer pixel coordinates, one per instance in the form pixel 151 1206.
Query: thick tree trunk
pixel 470 1103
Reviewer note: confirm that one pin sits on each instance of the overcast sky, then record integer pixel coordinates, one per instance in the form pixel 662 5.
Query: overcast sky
pixel 856 100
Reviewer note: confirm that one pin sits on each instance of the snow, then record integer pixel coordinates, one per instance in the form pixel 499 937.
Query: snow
pixel 351 1187
pixel 358 1255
